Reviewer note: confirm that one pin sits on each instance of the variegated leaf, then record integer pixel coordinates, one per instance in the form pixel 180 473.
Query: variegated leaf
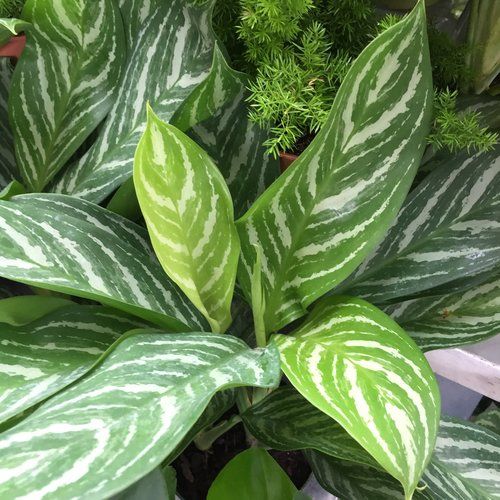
pixel 471 453
pixel 352 481
pixel 219 404
pixel 64 84
pixel 319 220
pixel 7 157
pixel 284 420
pixel 135 13
pixel 10 27
pixel 448 228
pixel 216 116
pixel 171 52
pixel 72 246
pixel 119 422
pixel 490 419
pixel 443 321
pixel 189 214
pixel 359 367
pixel 44 356
pixel 463 467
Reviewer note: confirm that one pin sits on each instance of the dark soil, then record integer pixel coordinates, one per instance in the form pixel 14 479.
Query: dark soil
pixel 302 144
pixel 196 470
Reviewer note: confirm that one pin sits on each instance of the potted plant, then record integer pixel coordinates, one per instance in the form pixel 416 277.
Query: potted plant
pixel 152 346
pixel 298 53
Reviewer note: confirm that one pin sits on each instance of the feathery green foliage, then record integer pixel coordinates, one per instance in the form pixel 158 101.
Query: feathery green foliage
pixel 455 131
pixel 11 8
pixel 296 91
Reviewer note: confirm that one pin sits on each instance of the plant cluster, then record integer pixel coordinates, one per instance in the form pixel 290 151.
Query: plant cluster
pixel 292 94
pixel 346 273
pixel 11 8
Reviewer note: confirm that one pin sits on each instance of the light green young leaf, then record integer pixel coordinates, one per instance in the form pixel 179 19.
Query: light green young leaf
pixel 44 356
pixel 11 27
pixel 251 475
pixel 190 218
pixel 118 423
pixel 215 115
pixel 14 188
pixel 8 169
pixel 21 310
pixel 359 367
pixel 171 46
pixel 454 319
pixel 72 246
pixel 64 84
pixel 448 229
pixel 320 219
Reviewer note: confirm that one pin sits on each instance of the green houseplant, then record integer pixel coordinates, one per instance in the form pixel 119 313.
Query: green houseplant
pixel 299 51
pixel 98 397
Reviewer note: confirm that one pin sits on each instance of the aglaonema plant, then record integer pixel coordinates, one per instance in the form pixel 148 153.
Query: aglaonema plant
pixel 100 398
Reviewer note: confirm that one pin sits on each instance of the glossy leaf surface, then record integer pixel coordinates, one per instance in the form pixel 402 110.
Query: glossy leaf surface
pixel 64 83
pixel 119 422
pixel 250 475
pixel 358 366
pixel 449 320
pixel 189 215
pixel 464 467
pixel 72 246
pixel 286 421
pixel 170 53
pixel 44 356
pixel 448 228
pixel 216 116
pixel 320 219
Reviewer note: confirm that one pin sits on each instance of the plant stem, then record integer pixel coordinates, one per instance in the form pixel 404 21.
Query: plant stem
pixel 205 439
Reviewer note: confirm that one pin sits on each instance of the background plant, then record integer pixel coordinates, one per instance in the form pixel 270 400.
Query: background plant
pixel 293 94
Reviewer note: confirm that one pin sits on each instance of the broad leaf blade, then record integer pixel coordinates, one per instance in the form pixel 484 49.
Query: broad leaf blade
pixel 189 214
pixel 118 423
pixel 490 419
pixel 355 364
pixel 357 481
pixel 7 157
pixel 447 229
pixel 171 54
pixel 320 219
pixel 250 475
pixel 450 320
pixel 44 356
pixel 472 453
pixel 464 466
pixel 216 116
pixel 72 246
pixel 64 84
pixel 284 420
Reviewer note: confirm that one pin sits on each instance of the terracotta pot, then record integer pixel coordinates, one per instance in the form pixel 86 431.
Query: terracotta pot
pixel 13 48
pixel 286 159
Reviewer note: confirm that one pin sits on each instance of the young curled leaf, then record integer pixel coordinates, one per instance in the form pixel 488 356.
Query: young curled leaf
pixel 189 214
